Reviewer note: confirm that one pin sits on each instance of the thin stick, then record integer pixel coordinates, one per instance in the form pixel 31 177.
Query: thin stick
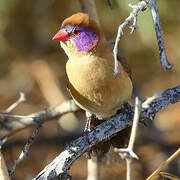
pixel 132 17
pixel 26 147
pixel 3 168
pixel 5 113
pixel 93 168
pixel 135 123
pixel 163 58
pixel 164 164
pixel 127 153
pixel 21 99
pixel 45 115
pixel 168 175
pixel 128 169
pixel 16 116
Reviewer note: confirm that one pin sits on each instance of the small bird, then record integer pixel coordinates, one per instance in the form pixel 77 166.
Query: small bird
pixel 90 70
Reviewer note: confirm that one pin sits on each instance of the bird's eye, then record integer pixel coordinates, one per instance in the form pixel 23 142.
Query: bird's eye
pixel 76 32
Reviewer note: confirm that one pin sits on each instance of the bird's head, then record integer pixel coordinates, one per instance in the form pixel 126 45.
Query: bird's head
pixel 78 33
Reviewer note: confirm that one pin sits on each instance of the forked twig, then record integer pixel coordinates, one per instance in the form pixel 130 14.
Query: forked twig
pixel 142 5
pixel 132 17
pixel 5 113
pixel 45 115
pixel 127 153
pixel 26 147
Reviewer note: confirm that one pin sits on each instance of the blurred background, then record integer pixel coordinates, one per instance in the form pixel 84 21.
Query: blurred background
pixel 34 64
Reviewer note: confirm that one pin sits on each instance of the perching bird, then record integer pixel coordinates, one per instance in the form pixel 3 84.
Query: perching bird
pixel 90 70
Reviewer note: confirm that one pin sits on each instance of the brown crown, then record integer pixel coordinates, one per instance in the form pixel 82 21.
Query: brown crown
pixel 82 19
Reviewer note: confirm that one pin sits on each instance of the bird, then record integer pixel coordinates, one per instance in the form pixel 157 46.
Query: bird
pixel 90 72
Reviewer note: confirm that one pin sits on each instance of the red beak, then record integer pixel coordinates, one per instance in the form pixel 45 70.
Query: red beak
pixel 61 35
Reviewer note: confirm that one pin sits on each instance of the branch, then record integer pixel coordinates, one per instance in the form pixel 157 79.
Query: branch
pixel 21 99
pixel 48 114
pixel 106 130
pixel 4 121
pixel 155 15
pixel 132 17
pixel 141 6
pixel 157 172
pixel 165 175
pixel 3 168
pixel 25 149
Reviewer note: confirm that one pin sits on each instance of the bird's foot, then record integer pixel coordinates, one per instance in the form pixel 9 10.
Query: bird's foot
pixel 87 127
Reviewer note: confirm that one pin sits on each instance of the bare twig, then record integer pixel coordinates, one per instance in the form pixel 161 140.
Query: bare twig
pixel 48 114
pixel 16 116
pixel 132 17
pixel 105 131
pixel 168 175
pixel 157 171
pixel 2 142
pixel 127 153
pixel 3 168
pixel 25 150
pixel 22 98
pixel 93 168
pixel 134 126
pixel 163 58
pixel 5 114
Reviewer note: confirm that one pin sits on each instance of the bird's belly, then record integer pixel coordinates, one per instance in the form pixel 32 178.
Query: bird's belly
pixel 95 89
